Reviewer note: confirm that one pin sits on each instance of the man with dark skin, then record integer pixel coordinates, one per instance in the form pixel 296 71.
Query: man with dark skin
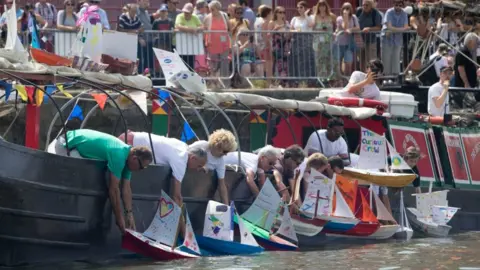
pixel 331 142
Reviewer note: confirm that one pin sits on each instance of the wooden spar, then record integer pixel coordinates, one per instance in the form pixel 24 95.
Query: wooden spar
pixel 178 227
pixel 316 203
pixel 295 191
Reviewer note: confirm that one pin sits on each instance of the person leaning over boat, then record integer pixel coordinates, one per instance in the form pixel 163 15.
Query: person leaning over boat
pixel 318 162
pixel 331 142
pixel 255 165
pixel 220 143
pixel 121 160
pixel 411 157
pixel 438 93
pixel 284 169
pixel 171 152
pixel 362 85
pixel 336 166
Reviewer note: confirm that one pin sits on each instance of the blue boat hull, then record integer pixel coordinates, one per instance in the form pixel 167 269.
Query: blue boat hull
pixel 216 247
pixel 333 226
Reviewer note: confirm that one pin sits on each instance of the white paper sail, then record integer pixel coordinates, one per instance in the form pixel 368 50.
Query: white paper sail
pixel 171 64
pixel 382 212
pixel 263 210
pixel 190 241
pixel 218 220
pixel 318 182
pixel 164 225
pixel 373 151
pixel 286 228
pixel 246 237
pixel 16 52
pixel 299 174
pixel 189 81
pixel 89 41
pixel 398 163
pixel 425 202
pixel 341 206
pixel 443 214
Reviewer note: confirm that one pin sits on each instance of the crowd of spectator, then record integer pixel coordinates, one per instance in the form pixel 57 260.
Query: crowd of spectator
pixel 269 45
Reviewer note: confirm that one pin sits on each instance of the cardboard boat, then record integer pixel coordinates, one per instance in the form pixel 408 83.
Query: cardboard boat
pixel 51 59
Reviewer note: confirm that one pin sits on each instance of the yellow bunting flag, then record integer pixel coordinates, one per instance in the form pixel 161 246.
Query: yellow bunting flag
pixel 60 88
pixel 22 92
pixel 39 97
pixel 101 99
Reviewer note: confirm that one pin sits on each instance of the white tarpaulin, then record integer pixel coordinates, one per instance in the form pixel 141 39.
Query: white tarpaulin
pixel 120 44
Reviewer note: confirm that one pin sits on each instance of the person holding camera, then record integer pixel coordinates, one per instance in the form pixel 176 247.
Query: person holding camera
pixel 438 93
pixel 362 84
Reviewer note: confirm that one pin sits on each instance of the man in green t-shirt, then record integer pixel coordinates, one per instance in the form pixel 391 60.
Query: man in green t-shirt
pixel 121 159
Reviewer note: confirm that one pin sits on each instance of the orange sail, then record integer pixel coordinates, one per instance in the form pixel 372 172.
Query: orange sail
pixel 349 191
pixel 367 213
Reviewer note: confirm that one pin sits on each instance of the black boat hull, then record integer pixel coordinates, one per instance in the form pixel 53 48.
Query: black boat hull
pixel 55 208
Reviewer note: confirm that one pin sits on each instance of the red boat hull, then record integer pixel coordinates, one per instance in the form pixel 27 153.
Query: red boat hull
pixel 361 229
pixel 137 243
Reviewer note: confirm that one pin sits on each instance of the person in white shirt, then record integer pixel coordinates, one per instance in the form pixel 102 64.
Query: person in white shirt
pixel 220 143
pixel 171 152
pixel 255 165
pixel 438 93
pixel 440 58
pixel 362 85
pixel 331 142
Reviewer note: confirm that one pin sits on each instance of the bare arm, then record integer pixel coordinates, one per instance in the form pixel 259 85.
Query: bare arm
pixel 463 76
pixel 280 186
pixel 250 175
pixel 127 203
pixel 177 192
pixel 222 189
pixel 114 194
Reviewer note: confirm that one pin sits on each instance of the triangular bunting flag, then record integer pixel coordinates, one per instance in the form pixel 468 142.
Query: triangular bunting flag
pixel 76 113
pixel 187 133
pixel 7 87
pixel 21 91
pixel 30 90
pixel 39 97
pixel 101 99
pixel 49 89
pixel 60 88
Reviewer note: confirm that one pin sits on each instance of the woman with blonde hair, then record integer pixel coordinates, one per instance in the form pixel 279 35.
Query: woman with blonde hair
pixel 220 143
pixel 281 42
pixel 324 20
pixel 347 23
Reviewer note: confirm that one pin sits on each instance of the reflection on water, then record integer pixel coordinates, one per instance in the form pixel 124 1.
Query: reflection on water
pixel 457 252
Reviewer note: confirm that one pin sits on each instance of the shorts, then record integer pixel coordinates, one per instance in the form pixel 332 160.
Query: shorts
pixel 57 147
pixel 344 53
pixel 380 190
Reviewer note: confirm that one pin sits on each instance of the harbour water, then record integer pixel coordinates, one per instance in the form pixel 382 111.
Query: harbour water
pixel 459 251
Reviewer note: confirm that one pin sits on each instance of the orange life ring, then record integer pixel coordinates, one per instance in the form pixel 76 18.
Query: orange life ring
pixel 357 102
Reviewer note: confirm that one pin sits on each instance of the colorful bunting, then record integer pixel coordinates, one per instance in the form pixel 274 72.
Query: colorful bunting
pixel 39 96
pixel 60 88
pixel 32 26
pixel 21 91
pixel 30 90
pixel 187 133
pixel 101 99
pixel 7 87
pixel 76 113
pixel 49 89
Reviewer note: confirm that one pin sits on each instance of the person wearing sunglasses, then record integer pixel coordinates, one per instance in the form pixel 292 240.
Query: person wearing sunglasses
pixel 66 19
pixel 331 141
pixel 170 152
pixel 284 169
pixel 255 165
pixel 121 160
pixel 220 143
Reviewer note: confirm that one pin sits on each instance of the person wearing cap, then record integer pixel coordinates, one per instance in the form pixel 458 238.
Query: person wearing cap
pixel 438 93
pixel 362 85
pixel 163 23
pixel 440 58
pixel 172 9
pixel 188 22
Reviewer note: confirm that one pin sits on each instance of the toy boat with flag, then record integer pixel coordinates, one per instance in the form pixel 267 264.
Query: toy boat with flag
pixel 218 238
pixel 373 156
pixel 432 214
pixel 261 216
pixel 159 240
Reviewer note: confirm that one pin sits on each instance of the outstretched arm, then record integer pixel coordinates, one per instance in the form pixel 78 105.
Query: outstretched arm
pixel 114 193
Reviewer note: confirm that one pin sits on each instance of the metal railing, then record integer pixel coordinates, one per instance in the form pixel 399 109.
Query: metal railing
pixel 287 57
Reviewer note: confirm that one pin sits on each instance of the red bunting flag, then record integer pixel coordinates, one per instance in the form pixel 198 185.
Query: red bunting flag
pixel 30 90
pixel 101 99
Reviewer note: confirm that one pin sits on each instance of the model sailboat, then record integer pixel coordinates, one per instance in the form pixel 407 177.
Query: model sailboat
pixel 305 222
pixel 261 216
pixel 159 241
pixel 218 230
pixel 373 156
pixel 432 213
